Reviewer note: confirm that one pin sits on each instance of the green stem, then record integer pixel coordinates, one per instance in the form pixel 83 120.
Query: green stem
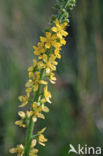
pixel 66 4
pixel 31 123
pixel 28 138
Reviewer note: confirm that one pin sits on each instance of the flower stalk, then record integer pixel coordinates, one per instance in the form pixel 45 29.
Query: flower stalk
pixel 47 52
pixel 31 123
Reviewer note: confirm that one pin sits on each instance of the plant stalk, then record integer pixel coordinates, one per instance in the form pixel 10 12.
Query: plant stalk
pixel 31 123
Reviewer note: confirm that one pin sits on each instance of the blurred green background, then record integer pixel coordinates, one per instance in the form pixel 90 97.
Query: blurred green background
pixel 76 115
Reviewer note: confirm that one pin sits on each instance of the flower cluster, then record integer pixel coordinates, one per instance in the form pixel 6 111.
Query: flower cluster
pixel 42 71
pixel 47 52
pixel 33 151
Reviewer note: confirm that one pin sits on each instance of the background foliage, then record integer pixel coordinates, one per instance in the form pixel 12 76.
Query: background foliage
pixel 76 113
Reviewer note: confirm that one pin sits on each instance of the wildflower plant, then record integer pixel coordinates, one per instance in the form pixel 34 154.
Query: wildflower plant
pixel 40 73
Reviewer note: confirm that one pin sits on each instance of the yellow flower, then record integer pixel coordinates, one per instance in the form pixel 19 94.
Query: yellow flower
pixel 29 83
pixel 49 40
pixel 42 39
pixel 42 139
pixel 34 152
pixel 40 65
pixel 34 105
pixel 31 74
pixel 24 100
pixel 52 59
pixel 59 29
pixel 39 49
pixel 62 41
pixel 50 64
pixel 29 114
pixel 47 94
pixel 52 78
pixel 45 57
pixel 43 100
pixel 19 150
pixel 57 53
pixel 57 43
pixel 28 91
pixel 20 123
pixel 34 82
pixel 43 67
pixel 37 112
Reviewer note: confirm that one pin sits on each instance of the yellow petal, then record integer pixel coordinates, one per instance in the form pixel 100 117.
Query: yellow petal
pixel 42 39
pixel 30 69
pixel 64 33
pixel 33 143
pixel 37 53
pixel 43 100
pixel 45 108
pixel 29 114
pixel 62 41
pixel 45 57
pixel 21 98
pixel 24 104
pixel 53 82
pixel 28 90
pixel 47 94
pixel 34 47
pixel 34 105
pixel 57 22
pixel 54 29
pixel 13 150
pixel 33 152
pixel 34 62
pixel 31 74
pixel 48 34
pixel 59 35
pixel 47 45
pixel 43 82
pixel 42 138
pixel 34 119
pixel 21 114
pixel 40 115
pixel 20 123
pixel 29 84
pixel 40 57
pixel 42 130
pixel 64 24
pixel 41 143
pixel 40 65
